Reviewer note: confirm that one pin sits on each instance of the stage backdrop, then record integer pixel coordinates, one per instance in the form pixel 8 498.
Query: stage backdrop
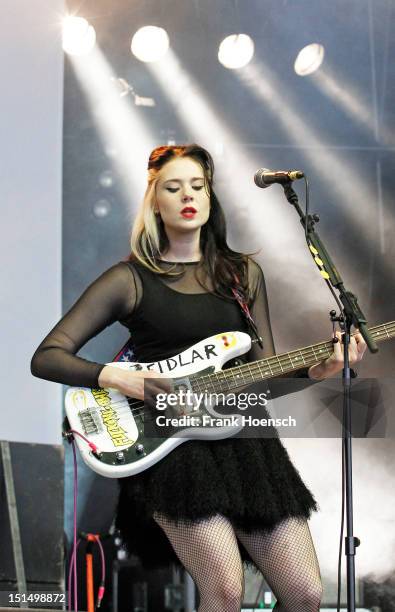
pixel 31 73
pixel 336 125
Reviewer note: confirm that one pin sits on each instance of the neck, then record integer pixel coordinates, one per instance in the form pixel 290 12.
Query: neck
pixel 184 247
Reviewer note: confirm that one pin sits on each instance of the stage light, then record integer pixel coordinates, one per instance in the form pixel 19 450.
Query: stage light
pixel 309 59
pixel 79 37
pixel 149 44
pixel 236 51
pixel 102 208
pixel 106 179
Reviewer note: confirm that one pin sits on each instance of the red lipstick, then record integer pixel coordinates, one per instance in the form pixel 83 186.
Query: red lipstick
pixel 188 212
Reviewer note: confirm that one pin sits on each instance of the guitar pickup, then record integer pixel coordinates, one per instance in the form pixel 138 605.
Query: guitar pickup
pixel 90 422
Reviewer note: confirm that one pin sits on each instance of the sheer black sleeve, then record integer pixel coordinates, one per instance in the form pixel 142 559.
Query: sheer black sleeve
pixel 112 297
pixel 259 308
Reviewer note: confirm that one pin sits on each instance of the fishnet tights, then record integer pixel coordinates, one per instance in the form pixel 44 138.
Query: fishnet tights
pixel 209 551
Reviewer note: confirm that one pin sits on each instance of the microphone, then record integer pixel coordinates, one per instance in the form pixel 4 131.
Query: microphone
pixel 264 177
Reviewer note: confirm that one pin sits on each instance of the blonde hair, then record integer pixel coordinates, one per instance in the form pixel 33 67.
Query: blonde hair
pixel 145 240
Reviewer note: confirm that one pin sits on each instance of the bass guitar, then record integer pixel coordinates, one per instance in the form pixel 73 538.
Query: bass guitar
pixel 109 427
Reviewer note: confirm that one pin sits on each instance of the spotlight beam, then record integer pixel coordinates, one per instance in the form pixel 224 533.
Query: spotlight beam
pixel 345 95
pixel 259 218
pixel 118 123
pixel 342 179
pixel 207 128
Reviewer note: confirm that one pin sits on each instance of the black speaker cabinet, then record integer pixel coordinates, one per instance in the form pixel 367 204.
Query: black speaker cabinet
pixel 37 475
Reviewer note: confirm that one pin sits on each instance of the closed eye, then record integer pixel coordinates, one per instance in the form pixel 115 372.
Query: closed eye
pixel 175 189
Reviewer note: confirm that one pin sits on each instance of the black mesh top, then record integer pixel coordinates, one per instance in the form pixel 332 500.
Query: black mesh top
pixel 251 481
pixel 164 314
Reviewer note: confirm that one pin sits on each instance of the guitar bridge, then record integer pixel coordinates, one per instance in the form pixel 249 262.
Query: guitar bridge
pixel 90 422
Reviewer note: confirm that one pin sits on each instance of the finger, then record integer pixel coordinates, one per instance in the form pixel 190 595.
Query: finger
pixel 353 350
pixel 361 345
pixel 152 389
pixel 151 386
pixel 164 385
pixel 338 347
pixel 164 388
pixel 353 343
pixel 153 398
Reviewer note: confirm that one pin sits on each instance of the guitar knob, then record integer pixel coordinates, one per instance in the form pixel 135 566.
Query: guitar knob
pixel 139 449
pixel 120 457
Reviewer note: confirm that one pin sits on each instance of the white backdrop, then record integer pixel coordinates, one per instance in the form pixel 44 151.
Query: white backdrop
pixel 31 76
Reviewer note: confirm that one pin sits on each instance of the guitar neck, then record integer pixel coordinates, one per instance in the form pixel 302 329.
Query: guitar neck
pixel 277 365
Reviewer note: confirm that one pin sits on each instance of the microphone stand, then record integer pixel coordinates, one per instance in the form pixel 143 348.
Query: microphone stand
pixel 351 315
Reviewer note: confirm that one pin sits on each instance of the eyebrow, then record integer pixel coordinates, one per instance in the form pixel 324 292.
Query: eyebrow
pixel 176 180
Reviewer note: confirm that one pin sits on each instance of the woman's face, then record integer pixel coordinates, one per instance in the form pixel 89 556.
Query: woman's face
pixel 182 197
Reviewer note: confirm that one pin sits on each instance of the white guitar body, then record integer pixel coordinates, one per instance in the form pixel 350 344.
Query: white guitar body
pixel 107 419
pixel 114 424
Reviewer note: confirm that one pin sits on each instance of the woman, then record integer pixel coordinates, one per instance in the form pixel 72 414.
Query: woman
pixel 209 504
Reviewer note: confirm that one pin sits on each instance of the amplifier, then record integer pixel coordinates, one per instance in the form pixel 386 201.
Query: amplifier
pixel 31 518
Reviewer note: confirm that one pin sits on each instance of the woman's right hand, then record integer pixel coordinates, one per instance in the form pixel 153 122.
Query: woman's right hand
pixel 131 383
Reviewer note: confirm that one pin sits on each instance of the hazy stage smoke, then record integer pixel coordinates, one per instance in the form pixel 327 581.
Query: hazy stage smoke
pixel 319 462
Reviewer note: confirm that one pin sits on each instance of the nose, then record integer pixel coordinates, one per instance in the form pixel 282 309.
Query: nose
pixel 187 197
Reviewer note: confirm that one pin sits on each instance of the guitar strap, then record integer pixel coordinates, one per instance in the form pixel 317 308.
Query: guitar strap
pixel 126 352
pixel 239 296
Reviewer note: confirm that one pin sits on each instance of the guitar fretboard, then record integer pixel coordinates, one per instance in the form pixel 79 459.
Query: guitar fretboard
pixel 276 365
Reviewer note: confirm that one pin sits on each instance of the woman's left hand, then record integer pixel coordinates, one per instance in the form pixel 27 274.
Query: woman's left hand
pixel 334 364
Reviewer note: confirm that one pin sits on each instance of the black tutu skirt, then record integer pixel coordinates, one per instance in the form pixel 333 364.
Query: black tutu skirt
pixel 252 482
